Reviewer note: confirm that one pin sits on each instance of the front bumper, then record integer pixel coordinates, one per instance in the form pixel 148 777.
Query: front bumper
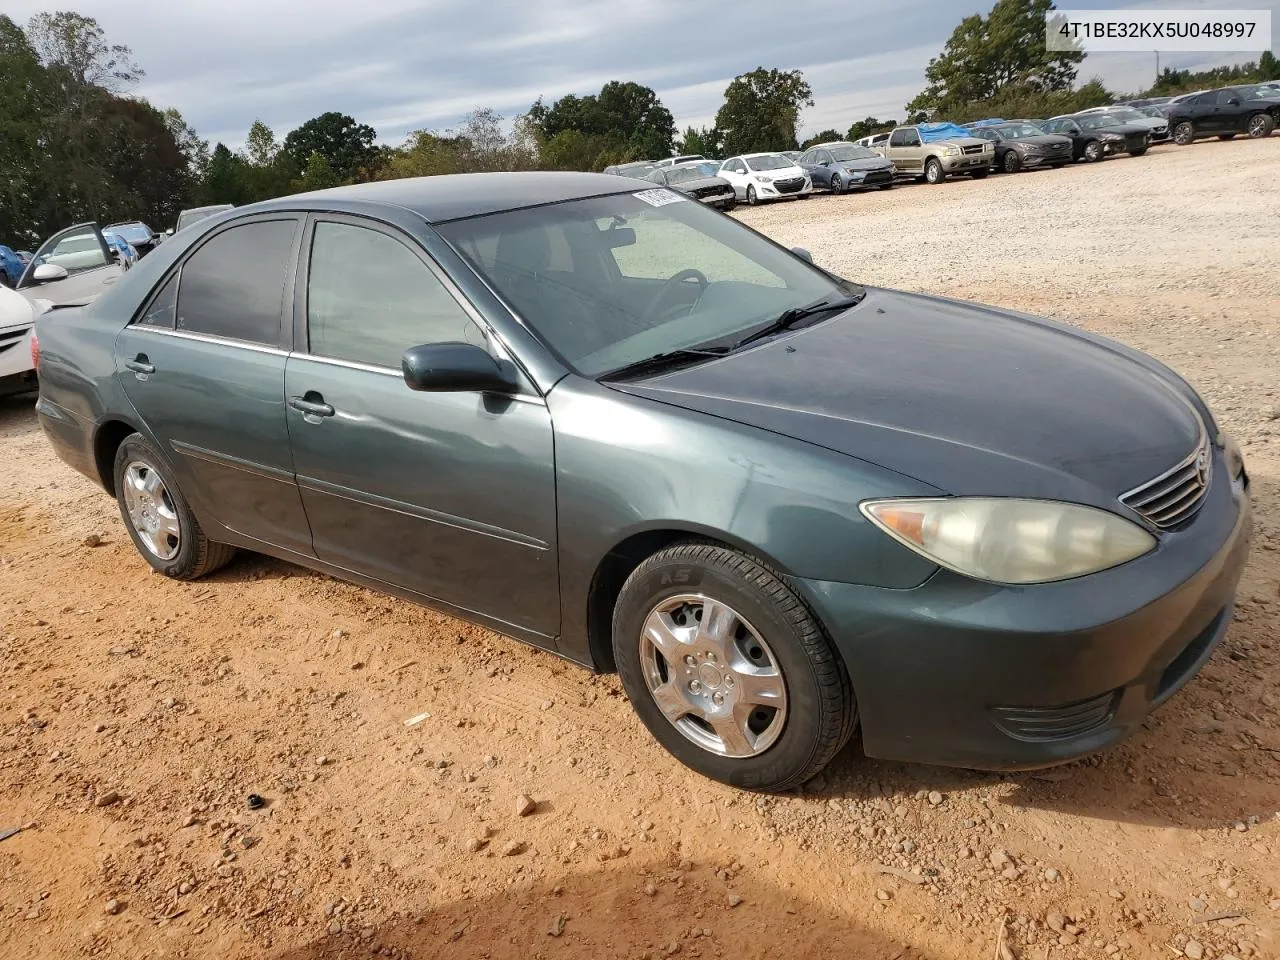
pixel 767 191
pixel 16 371
pixel 967 163
pixel 963 673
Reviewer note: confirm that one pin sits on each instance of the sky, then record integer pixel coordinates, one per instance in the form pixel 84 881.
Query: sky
pixel 403 65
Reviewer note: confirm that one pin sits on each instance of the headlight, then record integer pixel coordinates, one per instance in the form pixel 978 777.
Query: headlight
pixel 855 173
pixel 763 179
pixel 951 151
pixel 1011 541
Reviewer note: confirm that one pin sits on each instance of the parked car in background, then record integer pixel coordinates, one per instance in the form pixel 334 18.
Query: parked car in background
pixel 140 236
pixel 694 180
pixel 195 214
pixel 1147 102
pixel 1252 109
pixel 1096 136
pixel 785 507
pixel 873 141
pixel 765 176
pixel 17 320
pixel 1157 127
pixel 792 155
pixel 1024 146
pixel 126 256
pixel 637 169
pixel 75 264
pixel 842 166
pixel 11 266
pixel 683 158
pixel 934 151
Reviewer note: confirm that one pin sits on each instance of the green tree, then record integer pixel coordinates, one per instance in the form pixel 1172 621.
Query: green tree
pixel 761 110
pixel 867 126
pixel 825 136
pixel 226 180
pixel 704 141
pixel 628 115
pixel 260 145
pixel 318 174
pixel 29 162
pixel 78 45
pixel 986 54
pixel 1268 66
pixel 189 142
pixel 344 144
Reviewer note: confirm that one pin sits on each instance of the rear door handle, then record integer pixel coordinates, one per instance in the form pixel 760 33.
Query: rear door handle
pixel 140 364
pixel 314 408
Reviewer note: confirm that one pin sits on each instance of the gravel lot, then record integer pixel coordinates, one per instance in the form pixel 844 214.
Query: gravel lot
pixel 138 714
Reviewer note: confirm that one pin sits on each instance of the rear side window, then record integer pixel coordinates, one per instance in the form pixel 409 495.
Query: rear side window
pixel 160 312
pixel 369 298
pixel 233 286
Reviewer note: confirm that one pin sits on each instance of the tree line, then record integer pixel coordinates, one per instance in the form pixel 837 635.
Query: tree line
pixel 75 146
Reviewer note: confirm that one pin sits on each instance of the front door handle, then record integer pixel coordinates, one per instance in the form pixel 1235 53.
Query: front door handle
pixel 313 408
pixel 140 365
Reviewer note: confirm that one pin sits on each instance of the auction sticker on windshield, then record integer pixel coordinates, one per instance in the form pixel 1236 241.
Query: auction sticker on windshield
pixel 659 197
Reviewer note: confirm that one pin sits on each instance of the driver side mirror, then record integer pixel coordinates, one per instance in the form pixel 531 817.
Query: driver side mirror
pixel 48 273
pixel 1233 102
pixel 456 368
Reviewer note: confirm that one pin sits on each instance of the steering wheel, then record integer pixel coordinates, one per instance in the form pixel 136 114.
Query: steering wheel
pixel 687 274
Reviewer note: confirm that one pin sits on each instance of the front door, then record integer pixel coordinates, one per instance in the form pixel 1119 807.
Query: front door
pixel 203 365
pixel 906 151
pixel 88 266
pixel 448 495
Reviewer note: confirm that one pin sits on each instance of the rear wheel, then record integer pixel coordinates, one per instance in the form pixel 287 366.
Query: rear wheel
pixel 1093 151
pixel 1012 162
pixel 729 670
pixel 933 172
pixel 1184 133
pixel 158 518
pixel 1260 125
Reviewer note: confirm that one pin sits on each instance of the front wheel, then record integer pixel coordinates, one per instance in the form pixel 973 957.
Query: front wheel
pixel 1093 151
pixel 752 199
pixel 886 186
pixel 1261 125
pixel 1012 162
pixel 837 185
pixel 933 172
pixel 729 204
pixel 979 174
pixel 1184 133
pixel 728 669
pixel 158 518
pixel 1139 151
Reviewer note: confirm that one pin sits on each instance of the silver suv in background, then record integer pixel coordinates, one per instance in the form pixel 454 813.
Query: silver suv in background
pixel 194 215
pixel 935 160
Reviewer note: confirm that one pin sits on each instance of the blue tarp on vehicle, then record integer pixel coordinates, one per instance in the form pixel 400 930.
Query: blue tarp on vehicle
pixel 933 132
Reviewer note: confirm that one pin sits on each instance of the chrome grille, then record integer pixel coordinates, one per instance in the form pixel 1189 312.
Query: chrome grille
pixel 975 148
pixel 1174 496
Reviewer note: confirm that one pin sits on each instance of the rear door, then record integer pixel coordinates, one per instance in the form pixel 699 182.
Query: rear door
pixel 204 362
pixel 448 495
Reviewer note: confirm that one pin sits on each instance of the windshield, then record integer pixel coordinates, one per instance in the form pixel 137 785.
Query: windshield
pixel 1096 121
pixel 1257 93
pixel 843 154
pixel 685 174
pixel 1014 131
pixel 1125 114
pixel 132 231
pixel 608 281
pixel 1154 112
pixel 768 162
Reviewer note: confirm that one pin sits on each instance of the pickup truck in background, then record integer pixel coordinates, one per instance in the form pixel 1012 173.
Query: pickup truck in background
pixel 934 151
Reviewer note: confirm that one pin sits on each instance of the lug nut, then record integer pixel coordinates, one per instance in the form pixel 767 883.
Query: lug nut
pixel 695 687
pixel 717 699
pixel 690 662
pixel 728 681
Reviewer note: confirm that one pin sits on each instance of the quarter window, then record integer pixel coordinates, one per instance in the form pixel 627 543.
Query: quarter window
pixel 160 312
pixel 233 286
pixel 369 298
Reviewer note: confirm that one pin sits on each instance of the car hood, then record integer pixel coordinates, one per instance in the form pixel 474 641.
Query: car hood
pixel 870 163
pixel 701 183
pixel 1045 140
pixel 969 399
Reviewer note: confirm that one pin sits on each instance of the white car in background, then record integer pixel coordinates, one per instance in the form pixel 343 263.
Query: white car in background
pixel 765 176
pixel 682 158
pixel 17 320
pixel 876 142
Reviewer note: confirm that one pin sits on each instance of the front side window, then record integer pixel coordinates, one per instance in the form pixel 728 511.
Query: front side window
pixel 233 286
pixel 369 299
pixel 642 279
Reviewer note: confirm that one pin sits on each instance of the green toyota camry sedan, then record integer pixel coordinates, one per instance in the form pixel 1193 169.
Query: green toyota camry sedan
pixel 596 416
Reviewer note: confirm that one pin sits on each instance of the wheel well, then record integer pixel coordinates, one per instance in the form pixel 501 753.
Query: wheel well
pixel 611 574
pixel 105 444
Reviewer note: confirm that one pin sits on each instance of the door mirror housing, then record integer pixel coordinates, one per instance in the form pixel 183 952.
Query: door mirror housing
pixel 456 368
pixel 48 273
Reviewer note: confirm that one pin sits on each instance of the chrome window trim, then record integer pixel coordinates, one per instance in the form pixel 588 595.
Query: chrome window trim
pixel 209 338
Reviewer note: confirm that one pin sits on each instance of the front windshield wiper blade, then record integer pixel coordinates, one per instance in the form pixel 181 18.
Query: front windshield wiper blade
pixel 664 361
pixel 789 318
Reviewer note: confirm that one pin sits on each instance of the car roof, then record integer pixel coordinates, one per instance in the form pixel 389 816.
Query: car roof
pixel 457 196
pixel 834 143
pixel 763 153
pixel 213 206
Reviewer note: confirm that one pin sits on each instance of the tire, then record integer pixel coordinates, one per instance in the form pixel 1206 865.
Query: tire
pixel 729 205
pixel 886 186
pixel 980 174
pixel 933 172
pixel 782 746
pixel 1184 133
pixel 1137 153
pixel 752 199
pixel 1260 125
pixel 804 196
pixel 1012 162
pixel 189 554
pixel 1093 151
pixel 1057 166
pixel 838 185
pixel 1226 136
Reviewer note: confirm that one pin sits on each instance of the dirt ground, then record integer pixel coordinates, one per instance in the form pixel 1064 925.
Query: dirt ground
pixel 138 714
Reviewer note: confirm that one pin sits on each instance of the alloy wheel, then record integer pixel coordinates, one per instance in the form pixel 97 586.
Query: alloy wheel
pixel 1183 133
pixel 713 676
pixel 1258 126
pixel 837 185
pixel 151 510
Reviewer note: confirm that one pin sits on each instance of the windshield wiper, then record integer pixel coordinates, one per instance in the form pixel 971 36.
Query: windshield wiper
pixel 664 361
pixel 789 318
